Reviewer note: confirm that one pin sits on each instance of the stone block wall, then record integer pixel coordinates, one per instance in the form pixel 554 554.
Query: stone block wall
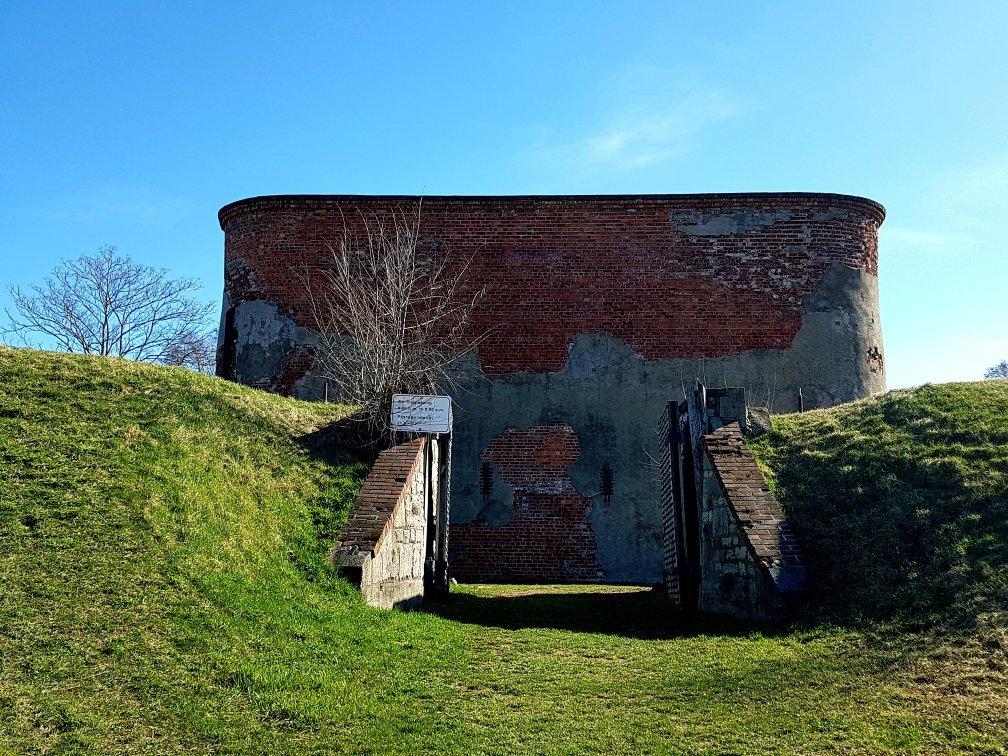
pixel 383 546
pixel 751 565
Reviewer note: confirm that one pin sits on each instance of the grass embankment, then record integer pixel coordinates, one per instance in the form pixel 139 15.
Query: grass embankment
pixel 901 502
pixel 164 588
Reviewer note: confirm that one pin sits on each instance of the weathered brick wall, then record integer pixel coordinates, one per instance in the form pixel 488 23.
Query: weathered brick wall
pixel 594 309
pixel 544 534
pixel 383 544
pixel 750 561
pixel 672 275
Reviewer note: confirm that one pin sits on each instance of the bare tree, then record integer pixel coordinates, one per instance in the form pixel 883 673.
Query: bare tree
pixel 998 372
pixel 106 304
pixel 194 350
pixel 391 317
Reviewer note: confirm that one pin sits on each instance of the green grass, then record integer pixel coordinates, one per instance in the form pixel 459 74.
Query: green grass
pixel 164 589
pixel 901 501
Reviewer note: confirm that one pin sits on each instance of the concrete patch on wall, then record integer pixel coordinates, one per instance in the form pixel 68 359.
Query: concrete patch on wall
pixel 720 224
pixel 841 329
pixel 273 352
pixel 612 398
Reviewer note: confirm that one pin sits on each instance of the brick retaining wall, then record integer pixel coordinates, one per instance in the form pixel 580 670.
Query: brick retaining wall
pixel 383 545
pixel 750 562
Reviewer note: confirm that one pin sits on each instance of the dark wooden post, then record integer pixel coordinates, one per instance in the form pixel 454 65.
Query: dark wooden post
pixel 430 581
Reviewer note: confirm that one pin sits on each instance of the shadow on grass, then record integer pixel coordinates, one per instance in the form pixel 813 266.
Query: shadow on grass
pixel 341 442
pixel 642 613
pixel 902 505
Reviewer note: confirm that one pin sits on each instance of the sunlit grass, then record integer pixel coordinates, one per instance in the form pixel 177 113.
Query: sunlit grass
pixel 164 588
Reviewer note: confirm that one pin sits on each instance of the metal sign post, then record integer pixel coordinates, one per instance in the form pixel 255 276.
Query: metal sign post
pixel 441 576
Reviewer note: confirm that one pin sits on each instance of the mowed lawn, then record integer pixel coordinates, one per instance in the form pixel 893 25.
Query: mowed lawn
pixel 164 589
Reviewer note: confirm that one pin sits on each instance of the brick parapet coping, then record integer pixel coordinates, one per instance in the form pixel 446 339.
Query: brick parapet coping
pixel 381 496
pixel 238 207
pixel 770 538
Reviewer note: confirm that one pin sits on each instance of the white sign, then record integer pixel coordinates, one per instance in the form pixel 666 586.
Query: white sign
pixel 421 414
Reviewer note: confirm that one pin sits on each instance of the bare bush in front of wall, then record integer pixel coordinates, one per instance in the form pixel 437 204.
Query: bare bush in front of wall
pixel 106 304
pixel 391 318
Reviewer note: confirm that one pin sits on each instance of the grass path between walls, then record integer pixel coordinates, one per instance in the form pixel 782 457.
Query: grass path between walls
pixel 164 589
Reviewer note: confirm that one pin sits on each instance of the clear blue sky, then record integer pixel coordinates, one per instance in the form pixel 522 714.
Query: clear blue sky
pixel 131 124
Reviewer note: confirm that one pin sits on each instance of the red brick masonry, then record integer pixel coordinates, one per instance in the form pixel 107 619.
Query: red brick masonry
pixel 549 537
pixel 383 492
pixel 672 275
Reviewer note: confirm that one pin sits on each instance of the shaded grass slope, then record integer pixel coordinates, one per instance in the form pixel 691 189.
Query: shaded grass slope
pixel 164 589
pixel 901 501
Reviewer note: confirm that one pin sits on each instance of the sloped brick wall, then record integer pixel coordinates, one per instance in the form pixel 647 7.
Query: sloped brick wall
pixel 751 565
pixel 383 544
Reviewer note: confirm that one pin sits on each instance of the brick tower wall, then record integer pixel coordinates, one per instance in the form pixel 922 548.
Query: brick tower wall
pixel 596 310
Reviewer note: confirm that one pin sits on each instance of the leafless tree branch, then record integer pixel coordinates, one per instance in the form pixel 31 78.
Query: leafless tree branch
pixel 106 304
pixel 997 372
pixel 391 317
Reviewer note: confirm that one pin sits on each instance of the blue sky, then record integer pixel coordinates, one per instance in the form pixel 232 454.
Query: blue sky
pixel 131 124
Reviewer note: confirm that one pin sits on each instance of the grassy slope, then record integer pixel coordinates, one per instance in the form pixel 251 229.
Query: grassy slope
pixel 163 588
pixel 902 501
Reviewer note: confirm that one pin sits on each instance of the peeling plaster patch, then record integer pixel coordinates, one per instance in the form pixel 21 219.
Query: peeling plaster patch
pixel 721 224
pixel 496 512
pixel 586 364
pixel 272 352
pixel 262 325
pixel 832 214
pixel 819 396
